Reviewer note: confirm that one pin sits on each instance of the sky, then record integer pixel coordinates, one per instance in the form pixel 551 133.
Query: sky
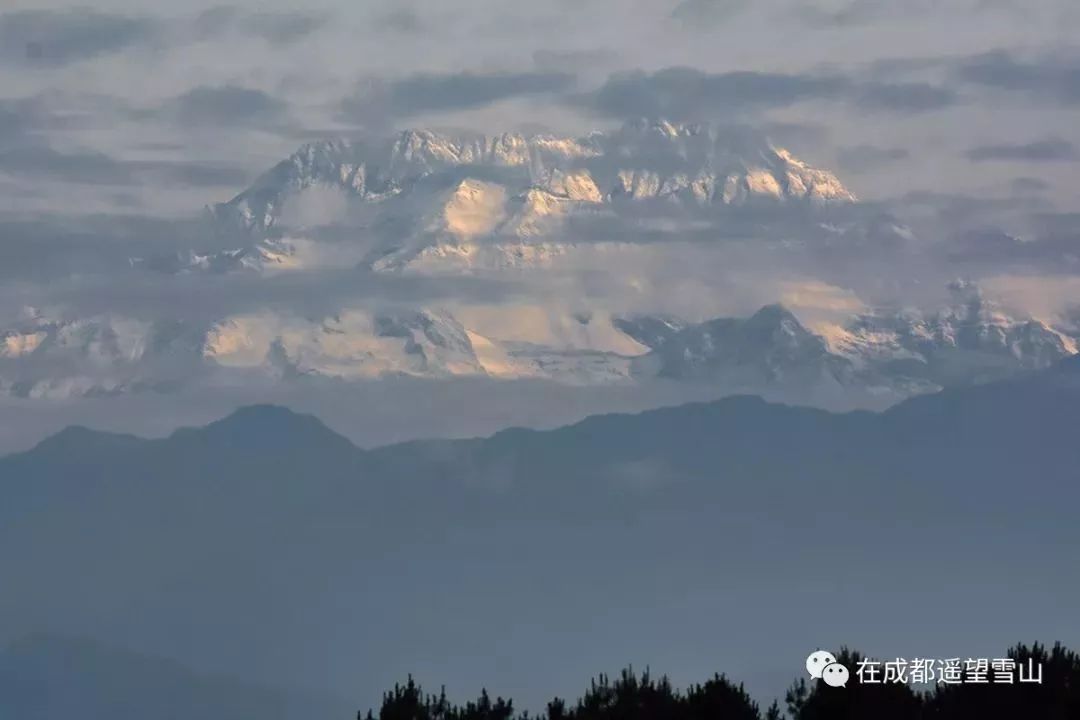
pixel 168 109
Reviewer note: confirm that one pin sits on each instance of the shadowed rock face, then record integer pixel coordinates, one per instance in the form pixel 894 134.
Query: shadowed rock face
pixel 770 347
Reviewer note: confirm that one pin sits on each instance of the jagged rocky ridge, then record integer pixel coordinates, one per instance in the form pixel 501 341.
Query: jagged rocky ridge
pixel 440 203
pixel 642 160
pixel 898 351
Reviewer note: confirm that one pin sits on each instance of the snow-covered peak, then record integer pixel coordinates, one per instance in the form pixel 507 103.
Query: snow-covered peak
pixel 471 208
pixel 969 340
pixel 771 346
pixel 575 185
pixel 59 357
pixel 643 160
pixel 896 352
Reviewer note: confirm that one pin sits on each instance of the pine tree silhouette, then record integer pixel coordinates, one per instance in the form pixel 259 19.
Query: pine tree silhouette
pixel 890 701
pixel 642 697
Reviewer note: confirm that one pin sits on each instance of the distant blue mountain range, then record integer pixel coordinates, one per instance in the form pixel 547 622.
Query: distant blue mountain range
pixel 732 535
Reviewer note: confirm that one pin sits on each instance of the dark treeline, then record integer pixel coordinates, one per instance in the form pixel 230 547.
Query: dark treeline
pixel 644 697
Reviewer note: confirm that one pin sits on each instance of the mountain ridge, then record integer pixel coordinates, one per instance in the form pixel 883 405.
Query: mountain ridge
pixel 701 162
pixel 897 350
pixel 278 422
pixel 373 558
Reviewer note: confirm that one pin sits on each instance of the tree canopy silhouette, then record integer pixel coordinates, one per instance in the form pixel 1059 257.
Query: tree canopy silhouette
pixel 634 696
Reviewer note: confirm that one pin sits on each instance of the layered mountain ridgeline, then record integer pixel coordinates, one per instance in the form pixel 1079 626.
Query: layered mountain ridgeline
pixel 50 677
pixel 272 435
pixel 870 359
pixel 269 547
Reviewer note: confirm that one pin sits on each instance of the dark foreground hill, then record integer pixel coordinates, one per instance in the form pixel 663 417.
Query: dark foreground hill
pixel 734 535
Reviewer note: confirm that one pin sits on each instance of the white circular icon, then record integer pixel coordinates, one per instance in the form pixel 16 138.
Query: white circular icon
pixel 817 662
pixel 835 675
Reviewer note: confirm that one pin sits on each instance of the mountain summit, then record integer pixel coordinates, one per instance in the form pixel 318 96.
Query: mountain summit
pixel 696 164
pixel 543 216
pixel 891 351
pixel 431 202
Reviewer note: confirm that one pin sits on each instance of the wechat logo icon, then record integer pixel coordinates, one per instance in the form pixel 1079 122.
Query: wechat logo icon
pixel 822 665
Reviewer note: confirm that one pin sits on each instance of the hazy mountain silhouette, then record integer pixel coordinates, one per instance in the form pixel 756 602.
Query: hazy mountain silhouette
pixel 267 546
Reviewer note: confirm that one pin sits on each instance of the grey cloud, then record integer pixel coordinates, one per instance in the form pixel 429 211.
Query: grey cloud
pixel 1052 78
pixel 1050 252
pixel 41 162
pixel 864 12
pixel 893 67
pixel 572 61
pixel 380 100
pixel 958 211
pixel 690 94
pixel 279 28
pixel 856 12
pixel 27 124
pixel 866 158
pixel 1029 185
pixel 695 13
pixel 200 298
pixel 224 105
pixel 17 119
pixel 193 174
pixel 403 20
pixel 1048 150
pixel 1011 6
pixel 40 250
pixel 796 134
pixel 958 202
pixel 1057 224
pixel 905 97
pixel 1049 77
pixel 57 38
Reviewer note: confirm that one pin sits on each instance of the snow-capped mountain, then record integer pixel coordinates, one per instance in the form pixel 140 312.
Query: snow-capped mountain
pixel 425 203
pixel 432 202
pixel 769 348
pixel 43 356
pixel 971 340
pixel 905 351
pixel 644 160
pixel 357 344
pixel 900 352
pixel 350 345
